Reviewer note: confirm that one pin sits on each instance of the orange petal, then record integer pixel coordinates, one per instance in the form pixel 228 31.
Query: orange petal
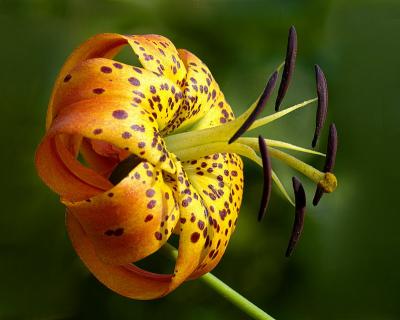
pixel 104 45
pixel 200 92
pixel 57 176
pixel 99 163
pixel 114 121
pixel 219 180
pixel 156 53
pixel 129 281
pixel 92 78
pixel 85 174
pixel 131 220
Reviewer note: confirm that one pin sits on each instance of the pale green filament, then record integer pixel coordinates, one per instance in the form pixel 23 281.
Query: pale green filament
pixel 253 143
pixel 280 114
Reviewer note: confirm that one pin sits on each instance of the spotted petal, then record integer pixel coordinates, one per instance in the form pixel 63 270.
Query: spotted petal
pixel 219 180
pixel 101 77
pixel 192 226
pixel 158 54
pixel 200 92
pixel 219 113
pixel 107 45
pixel 131 220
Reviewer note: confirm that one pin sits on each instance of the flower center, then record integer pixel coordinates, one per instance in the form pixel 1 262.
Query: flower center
pixel 199 143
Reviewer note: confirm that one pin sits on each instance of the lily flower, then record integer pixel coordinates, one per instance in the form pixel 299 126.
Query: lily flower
pixel 140 153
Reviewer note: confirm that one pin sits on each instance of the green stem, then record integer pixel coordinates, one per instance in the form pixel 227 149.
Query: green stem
pixel 234 297
pixel 224 290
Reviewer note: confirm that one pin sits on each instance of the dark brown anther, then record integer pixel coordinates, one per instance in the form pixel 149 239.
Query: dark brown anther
pixel 267 173
pixel 331 149
pixel 322 92
pixel 123 168
pixel 288 69
pixel 300 201
pixel 319 192
pixel 258 109
pixel 330 160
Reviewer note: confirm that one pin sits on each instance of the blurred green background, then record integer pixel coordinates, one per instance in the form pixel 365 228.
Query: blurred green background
pixel 347 264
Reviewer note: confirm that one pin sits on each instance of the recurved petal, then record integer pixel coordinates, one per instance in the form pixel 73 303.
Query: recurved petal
pixel 158 54
pixel 219 113
pixel 193 227
pixel 93 78
pixel 219 180
pixel 54 172
pixel 200 92
pixel 100 163
pixel 131 220
pixel 85 174
pixel 129 281
pixel 117 122
pixel 105 45
pixel 154 52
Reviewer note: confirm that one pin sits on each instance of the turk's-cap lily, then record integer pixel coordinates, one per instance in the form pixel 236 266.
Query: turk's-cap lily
pixel 161 155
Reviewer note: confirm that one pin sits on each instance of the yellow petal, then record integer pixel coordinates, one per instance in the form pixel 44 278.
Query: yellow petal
pixel 220 113
pixel 219 180
pixel 200 92
pixel 158 54
pixel 193 227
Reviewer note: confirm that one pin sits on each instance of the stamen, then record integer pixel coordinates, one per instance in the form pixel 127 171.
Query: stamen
pixel 258 109
pixel 123 168
pixel 322 92
pixel 319 192
pixel 288 69
pixel 331 149
pixel 309 171
pixel 266 162
pixel 300 199
pixel 329 162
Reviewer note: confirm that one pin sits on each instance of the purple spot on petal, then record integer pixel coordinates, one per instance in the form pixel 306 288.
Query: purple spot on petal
pixel 134 81
pixel 120 114
pixel 105 69
pixel 158 235
pixel 67 78
pixel 98 90
pixel 126 135
pixel 195 237
pixel 150 193
pixel 151 204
